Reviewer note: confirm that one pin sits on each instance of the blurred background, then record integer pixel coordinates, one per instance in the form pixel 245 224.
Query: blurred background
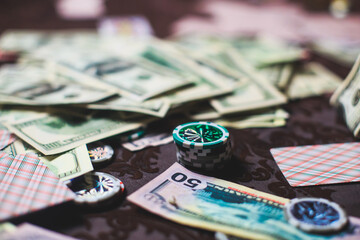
pixel 167 17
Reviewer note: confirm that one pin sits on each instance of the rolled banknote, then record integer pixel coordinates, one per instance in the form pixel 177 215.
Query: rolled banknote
pixel 347 96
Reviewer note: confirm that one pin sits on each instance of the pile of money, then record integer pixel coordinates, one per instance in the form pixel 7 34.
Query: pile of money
pixel 71 88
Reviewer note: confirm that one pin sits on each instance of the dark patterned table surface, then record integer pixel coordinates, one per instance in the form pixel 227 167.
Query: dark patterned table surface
pixel 312 121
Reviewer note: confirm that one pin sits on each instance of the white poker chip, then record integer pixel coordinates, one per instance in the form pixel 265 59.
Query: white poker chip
pixel 100 153
pixel 96 187
pixel 316 215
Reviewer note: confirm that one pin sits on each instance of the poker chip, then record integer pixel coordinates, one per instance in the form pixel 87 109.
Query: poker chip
pixel 99 152
pixel 316 215
pixel 202 145
pixel 95 188
pixel 200 135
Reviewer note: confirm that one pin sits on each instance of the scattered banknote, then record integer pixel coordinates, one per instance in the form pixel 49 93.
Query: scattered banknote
pixel 53 134
pixel 27 231
pixel 312 80
pixel 209 203
pixel 205 84
pixel 6 227
pixel 261 118
pixel 262 52
pixel 258 52
pixel 342 52
pixel 131 79
pixel 347 96
pixel 265 118
pixel 65 166
pixel 153 107
pixel 149 140
pixel 278 74
pixel 252 92
pixel 44 86
pixel 256 93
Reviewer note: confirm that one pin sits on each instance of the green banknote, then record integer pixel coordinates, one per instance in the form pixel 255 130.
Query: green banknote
pixel 253 92
pixel 262 52
pixel 347 96
pixel 264 118
pixel 279 74
pixel 152 107
pixel 207 80
pixel 45 85
pixel 128 78
pixel 258 52
pixel 57 133
pixel 68 165
pixel 342 52
pixel 209 203
pixel 312 80
pixel 256 93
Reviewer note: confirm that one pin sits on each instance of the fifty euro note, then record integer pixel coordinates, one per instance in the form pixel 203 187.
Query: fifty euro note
pixel 217 205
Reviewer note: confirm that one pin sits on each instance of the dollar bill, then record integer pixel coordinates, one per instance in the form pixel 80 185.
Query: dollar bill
pixel 262 118
pixel 68 165
pixel 347 96
pixel 256 93
pixel 128 78
pixel 213 204
pixel 45 86
pixel 153 107
pixel 279 75
pixel 206 84
pixel 6 227
pixel 312 80
pixel 258 52
pixel 52 134
pixel 342 52
pixel 262 52
pixel 149 140
pixel 266 118
pixel 253 92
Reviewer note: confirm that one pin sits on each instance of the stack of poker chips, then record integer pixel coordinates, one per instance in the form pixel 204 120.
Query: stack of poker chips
pixel 202 145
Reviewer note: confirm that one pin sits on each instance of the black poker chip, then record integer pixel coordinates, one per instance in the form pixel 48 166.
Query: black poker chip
pixel 96 187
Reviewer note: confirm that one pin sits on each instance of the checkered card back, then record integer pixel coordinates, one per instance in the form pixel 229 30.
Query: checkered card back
pixel 27 185
pixel 6 138
pixel 319 164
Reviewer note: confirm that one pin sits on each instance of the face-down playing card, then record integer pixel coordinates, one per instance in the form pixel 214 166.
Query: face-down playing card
pixel 27 185
pixel 319 164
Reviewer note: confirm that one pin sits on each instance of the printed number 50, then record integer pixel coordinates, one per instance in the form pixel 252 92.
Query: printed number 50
pixel 180 177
